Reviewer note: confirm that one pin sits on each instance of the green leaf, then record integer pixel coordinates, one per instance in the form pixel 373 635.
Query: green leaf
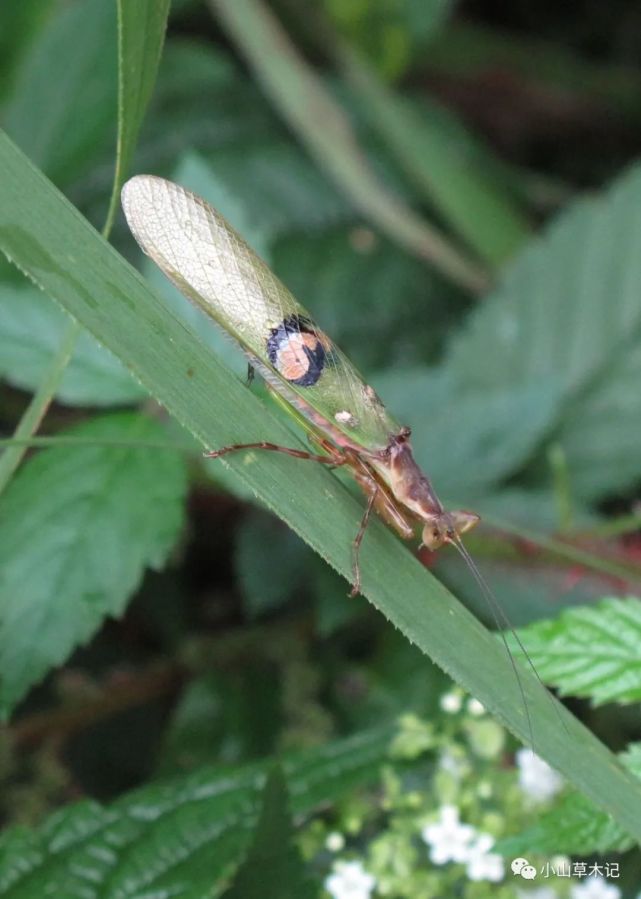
pixel 42 233
pixel 31 328
pixel 575 826
pixel 63 105
pixel 273 868
pixel 600 463
pixel 181 838
pixel 141 28
pixel 568 312
pixel 593 651
pixel 79 525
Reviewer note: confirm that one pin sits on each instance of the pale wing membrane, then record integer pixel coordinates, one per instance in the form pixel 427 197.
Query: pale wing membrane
pixel 214 267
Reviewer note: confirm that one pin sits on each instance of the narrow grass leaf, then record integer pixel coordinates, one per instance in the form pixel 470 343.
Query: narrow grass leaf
pixel 141 33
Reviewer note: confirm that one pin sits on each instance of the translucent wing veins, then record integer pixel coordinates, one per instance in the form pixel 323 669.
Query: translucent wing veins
pixel 214 267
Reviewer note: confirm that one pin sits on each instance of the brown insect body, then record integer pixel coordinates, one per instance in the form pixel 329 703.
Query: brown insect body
pixel 395 486
pixel 413 491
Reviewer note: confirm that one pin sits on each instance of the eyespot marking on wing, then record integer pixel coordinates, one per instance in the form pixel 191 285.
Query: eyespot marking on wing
pixel 298 351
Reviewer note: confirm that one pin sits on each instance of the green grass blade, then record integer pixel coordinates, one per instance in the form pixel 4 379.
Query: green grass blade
pixel 141 33
pixel 49 240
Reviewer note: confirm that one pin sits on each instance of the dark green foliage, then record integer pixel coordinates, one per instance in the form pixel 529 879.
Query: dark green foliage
pixel 185 835
pixel 63 122
pixel 272 851
pixel 567 316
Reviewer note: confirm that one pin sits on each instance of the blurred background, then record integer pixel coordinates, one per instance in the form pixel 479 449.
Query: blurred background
pixel 451 189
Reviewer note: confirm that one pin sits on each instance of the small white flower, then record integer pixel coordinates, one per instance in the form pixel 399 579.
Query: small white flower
pixel 335 841
pixel 483 864
pixel 350 880
pixel 595 887
pixel 475 707
pixel 536 778
pixel 448 839
pixel 451 702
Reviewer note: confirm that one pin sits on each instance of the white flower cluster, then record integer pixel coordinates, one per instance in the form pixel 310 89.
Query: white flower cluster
pixel 537 780
pixel 452 841
pixel 350 880
pixel 449 840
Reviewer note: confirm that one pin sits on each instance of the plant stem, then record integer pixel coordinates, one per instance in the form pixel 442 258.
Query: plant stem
pixel 37 408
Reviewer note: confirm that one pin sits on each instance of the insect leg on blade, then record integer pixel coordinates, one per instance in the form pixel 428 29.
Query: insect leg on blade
pixel 380 500
pixel 378 497
pixel 337 458
pixel 356 545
